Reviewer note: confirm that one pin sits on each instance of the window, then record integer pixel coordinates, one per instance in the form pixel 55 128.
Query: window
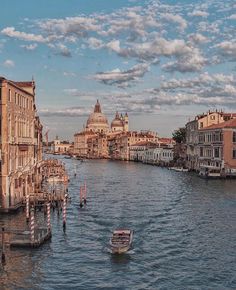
pixel 201 151
pixel 0 93
pixel 201 124
pixel 216 152
pixel 212 117
pixel 234 137
pixel 234 153
pixel 9 95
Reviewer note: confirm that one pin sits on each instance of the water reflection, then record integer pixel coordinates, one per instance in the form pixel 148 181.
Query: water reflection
pixel 185 233
pixel 120 259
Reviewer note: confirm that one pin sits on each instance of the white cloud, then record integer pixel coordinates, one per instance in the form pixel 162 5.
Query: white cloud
pixel 69 74
pixel 64 112
pixel 198 38
pixel 69 28
pixel 158 47
pixel 95 43
pixel 11 32
pixel 60 49
pixel 228 48
pixel 9 63
pixel 114 45
pixel 198 13
pixel 232 17
pixel 177 19
pixel 122 78
pixel 30 47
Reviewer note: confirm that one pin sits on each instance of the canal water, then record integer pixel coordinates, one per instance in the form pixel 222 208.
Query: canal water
pixel 184 233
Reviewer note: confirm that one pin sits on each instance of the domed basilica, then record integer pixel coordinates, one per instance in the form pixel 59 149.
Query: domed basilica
pixel 98 123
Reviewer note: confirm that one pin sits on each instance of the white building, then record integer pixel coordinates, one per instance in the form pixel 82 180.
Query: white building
pixel 153 153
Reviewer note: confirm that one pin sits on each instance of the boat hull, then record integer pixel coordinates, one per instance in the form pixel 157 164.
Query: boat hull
pixel 121 248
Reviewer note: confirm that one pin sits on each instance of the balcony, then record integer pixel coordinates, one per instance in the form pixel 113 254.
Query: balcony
pixel 25 140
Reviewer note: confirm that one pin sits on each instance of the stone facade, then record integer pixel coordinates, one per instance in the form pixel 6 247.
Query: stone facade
pixel 61 147
pixel 81 143
pixel 21 142
pixel 122 142
pixel 217 147
pixel 192 134
pixel 152 153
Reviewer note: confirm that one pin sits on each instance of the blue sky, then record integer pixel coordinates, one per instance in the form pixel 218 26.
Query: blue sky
pixel 160 61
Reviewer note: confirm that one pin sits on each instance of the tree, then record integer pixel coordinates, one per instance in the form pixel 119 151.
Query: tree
pixel 179 135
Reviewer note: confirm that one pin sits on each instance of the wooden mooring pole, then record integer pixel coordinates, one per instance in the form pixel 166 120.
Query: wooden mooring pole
pixel 32 226
pixel 81 197
pixel 3 257
pixel 85 192
pixel 64 214
pixel 27 208
pixel 49 217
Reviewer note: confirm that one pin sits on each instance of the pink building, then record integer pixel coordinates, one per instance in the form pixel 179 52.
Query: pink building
pixel 217 148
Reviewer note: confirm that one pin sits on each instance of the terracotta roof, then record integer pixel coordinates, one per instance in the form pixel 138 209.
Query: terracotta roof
pixel 233 115
pixel 228 124
pixel 166 140
pixel 145 143
pixel 85 133
pixel 24 84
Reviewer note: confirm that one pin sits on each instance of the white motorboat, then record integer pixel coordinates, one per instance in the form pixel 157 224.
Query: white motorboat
pixel 208 171
pixel 180 169
pixel 121 241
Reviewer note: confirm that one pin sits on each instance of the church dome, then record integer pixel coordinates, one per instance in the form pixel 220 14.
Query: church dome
pixel 97 121
pixel 97 118
pixel 117 122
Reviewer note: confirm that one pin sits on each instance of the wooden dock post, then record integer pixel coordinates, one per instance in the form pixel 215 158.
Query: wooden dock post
pixel 85 192
pixel 3 257
pixel 64 214
pixel 27 208
pixel 48 217
pixel 81 197
pixel 32 226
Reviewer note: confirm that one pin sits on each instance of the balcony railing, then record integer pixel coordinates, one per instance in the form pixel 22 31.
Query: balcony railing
pixel 25 140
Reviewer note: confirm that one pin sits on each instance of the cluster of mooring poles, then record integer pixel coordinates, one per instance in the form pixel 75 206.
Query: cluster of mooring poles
pixel 36 235
pixel 83 194
pixel 53 196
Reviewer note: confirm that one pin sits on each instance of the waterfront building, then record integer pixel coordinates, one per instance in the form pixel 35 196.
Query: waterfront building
pixel 97 146
pixel 61 147
pixel 93 142
pixel 21 142
pixel 81 143
pixel 122 142
pixel 98 141
pixel 152 153
pixel 217 147
pixel 192 133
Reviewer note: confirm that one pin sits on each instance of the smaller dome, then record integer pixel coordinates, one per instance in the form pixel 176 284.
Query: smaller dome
pixel 117 122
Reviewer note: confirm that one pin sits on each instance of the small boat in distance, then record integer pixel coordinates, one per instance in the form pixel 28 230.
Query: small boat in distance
pixel 179 169
pixel 121 241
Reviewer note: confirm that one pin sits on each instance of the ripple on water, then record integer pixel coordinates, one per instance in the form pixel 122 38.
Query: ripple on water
pixel 184 233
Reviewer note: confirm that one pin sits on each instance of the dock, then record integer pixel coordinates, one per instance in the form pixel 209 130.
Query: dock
pixel 22 238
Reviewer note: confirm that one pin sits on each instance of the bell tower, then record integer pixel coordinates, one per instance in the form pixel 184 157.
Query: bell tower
pixel 126 123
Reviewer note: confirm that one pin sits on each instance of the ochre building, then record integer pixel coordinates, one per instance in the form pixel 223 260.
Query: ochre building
pixel 21 143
